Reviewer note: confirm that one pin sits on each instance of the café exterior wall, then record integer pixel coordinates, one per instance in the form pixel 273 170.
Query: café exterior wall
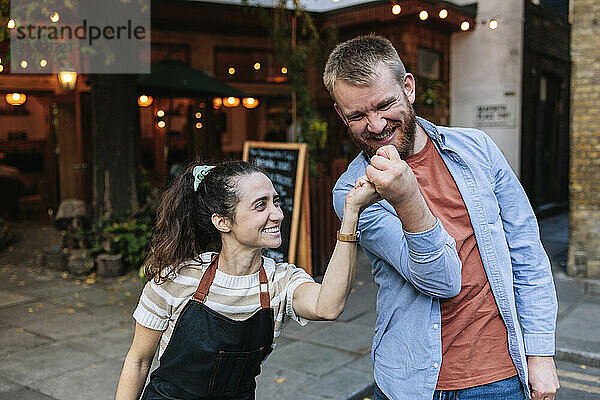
pixel 486 73
pixel 584 218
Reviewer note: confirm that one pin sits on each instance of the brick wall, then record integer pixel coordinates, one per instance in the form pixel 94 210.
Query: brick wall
pixel 584 241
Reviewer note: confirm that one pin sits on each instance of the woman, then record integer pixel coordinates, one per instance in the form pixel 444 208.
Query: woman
pixel 214 316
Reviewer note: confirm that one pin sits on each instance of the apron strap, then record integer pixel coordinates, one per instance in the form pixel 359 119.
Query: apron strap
pixel 265 298
pixel 209 275
pixel 206 280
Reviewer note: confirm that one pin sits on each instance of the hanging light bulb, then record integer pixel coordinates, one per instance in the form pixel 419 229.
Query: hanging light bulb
pixel 145 100
pixel 250 102
pixel 443 13
pixel 396 9
pixel 465 26
pixel 423 15
pixel 493 24
pixel 231 101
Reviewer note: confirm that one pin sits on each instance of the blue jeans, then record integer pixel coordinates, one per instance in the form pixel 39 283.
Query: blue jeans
pixel 506 389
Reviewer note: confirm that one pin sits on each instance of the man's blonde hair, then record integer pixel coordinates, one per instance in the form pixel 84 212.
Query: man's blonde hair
pixel 356 60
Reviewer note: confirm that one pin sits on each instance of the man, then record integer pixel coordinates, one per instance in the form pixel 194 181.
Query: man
pixel 466 303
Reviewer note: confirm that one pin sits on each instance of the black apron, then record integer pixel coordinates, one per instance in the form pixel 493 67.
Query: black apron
pixel 211 356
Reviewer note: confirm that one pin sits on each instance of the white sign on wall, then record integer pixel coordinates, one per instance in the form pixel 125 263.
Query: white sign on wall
pixel 501 114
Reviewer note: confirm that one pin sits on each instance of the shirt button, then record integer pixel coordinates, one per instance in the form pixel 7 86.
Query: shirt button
pixel 435 326
pixel 435 365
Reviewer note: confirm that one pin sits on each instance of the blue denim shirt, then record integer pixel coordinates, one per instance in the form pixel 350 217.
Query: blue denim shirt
pixel 415 270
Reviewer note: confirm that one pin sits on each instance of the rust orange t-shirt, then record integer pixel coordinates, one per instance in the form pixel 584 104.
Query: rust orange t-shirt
pixel 474 338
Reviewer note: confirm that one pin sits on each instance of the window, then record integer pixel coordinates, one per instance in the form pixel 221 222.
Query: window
pixel 428 64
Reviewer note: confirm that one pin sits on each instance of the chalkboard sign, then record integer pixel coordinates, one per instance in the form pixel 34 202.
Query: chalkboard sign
pixel 285 164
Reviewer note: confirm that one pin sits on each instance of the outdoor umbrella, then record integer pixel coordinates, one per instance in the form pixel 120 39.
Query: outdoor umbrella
pixel 172 78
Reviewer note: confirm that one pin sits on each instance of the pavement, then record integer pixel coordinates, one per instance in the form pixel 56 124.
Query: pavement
pixel 64 338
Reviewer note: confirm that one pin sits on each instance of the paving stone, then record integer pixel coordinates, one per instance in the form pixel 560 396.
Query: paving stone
pixel 25 367
pixel 569 292
pixel 48 289
pixel 340 384
pixel 367 320
pixel 13 340
pixel 295 395
pixel 572 327
pixel 37 310
pixel 25 394
pixel 69 324
pixel 117 313
pixel 344 336
pixel 293 330
pixel 10 298
pixel 586 311
pixel 112 343
pixel 570 344
pixel 277 380
pixel 309 359
pixel 282 342
pixel 363 364
pixel 96 380
pixel 7 385
pixel 361 301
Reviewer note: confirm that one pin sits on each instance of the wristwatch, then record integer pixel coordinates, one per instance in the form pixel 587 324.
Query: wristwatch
pixel 348 237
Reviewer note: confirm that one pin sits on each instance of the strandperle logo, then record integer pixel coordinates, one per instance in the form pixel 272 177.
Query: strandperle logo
pixel 89 33
pixel 88 36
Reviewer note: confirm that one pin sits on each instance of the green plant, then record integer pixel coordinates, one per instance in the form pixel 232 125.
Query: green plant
pixel 429 94
pixel 127 235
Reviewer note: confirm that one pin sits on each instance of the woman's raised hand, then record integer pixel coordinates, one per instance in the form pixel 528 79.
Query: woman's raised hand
pixel 362 195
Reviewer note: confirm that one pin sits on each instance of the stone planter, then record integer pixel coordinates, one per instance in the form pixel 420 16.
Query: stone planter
pixel 79 263
pixel 109 265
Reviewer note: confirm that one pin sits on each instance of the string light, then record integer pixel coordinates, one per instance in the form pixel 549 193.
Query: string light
pixel 199 125
pixel 54 17
pixel 217 103
pixel 423 15
pixel 465 26
pixel 43 63
pixel 231 102
pixel 161 124
pixel 11 24
pixel 145 100
pixel 257 66
pixel 396 9
pixel 160 113
pixel 443 13
pixel 231 70
pixel 1 68
pixel 23 64
pixel 250 102
pixel 198 115
pixel 493 24
pixel 284 70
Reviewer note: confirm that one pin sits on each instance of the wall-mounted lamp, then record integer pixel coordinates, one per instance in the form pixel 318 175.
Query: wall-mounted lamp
pixel 67 79
pixel 16 99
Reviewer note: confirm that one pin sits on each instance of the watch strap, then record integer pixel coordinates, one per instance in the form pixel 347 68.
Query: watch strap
pixel 348 237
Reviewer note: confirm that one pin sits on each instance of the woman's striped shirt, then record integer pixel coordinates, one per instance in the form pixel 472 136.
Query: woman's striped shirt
pixel 236 297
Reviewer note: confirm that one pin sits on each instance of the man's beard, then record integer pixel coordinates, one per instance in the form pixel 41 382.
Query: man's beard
pixel 405 141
